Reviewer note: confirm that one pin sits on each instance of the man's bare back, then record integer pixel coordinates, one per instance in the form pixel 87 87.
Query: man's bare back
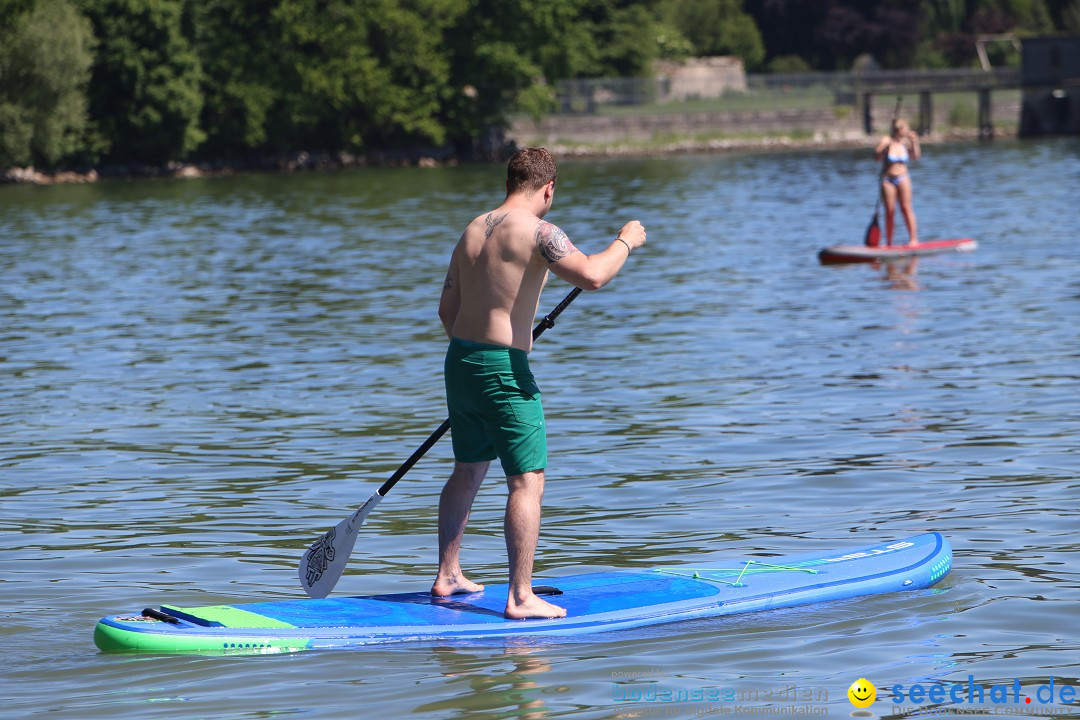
pixel 498 261
pixel 503 258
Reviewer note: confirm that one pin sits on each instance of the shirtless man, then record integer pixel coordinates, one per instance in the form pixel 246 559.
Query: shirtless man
pixel 488 305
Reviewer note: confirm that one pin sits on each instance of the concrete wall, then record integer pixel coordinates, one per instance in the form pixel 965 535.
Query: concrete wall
pixel 699 78
pixel 612 129
pixel 824 123
pixel 1051 112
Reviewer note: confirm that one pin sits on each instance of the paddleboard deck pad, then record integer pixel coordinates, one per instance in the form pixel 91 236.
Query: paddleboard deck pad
pixel 595 602
pixel 837 254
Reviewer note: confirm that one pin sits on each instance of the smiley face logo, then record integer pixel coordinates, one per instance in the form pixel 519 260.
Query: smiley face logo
pixel 862 693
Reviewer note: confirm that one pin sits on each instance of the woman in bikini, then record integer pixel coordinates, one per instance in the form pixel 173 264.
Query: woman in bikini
pixel 895 151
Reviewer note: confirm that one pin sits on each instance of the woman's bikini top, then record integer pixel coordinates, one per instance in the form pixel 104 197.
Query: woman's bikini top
pixel 901 155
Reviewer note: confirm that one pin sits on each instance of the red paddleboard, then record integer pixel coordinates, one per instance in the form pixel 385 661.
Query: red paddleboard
pixel 837 254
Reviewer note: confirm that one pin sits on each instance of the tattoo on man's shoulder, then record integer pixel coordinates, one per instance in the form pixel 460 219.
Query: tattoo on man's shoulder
pixel 448 283
pixel 492 222
pixel 554 245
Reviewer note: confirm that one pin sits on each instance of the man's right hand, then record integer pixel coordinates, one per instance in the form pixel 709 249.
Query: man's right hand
pixel 633 234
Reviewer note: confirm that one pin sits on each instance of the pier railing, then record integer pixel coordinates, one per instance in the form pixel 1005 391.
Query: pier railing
pixel 804 91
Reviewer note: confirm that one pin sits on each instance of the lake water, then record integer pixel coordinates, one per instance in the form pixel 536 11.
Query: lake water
pixel 199 377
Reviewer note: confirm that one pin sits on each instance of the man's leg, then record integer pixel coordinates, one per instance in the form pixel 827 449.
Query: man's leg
pixel 455 503
pixel 522 534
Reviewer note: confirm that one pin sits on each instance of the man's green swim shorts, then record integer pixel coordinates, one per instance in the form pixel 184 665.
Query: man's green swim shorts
pixel 495 408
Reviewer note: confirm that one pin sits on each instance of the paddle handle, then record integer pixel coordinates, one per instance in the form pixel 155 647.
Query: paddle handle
pixel 547 322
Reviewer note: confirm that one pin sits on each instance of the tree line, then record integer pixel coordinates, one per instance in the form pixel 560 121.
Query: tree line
pixel 86 82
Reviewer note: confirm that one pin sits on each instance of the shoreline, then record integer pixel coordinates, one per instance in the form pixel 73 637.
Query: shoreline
pixel 772 143
pixel 428 158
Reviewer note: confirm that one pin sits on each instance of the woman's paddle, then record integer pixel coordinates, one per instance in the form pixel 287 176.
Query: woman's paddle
pixel 873 232
pixel 324 562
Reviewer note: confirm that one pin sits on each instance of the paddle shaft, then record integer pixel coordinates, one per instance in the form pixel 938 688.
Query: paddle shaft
pixel 547 322
pixel 872 238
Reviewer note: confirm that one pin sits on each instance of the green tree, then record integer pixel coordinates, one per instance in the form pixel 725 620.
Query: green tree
pixel 285 75
pixel 145 95
pixel 45 57
pixel 1027 17
pixel 627 41
pixel 671 43
pixel 245 76
pixel 504 56
pixel 950 29
pixel 1070 17
pixel 378 76
pixel 1065 15
pixel 10 10
pixel 718 27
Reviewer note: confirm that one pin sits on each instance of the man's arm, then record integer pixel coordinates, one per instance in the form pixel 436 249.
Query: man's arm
pixel 450 301
pixel 588 272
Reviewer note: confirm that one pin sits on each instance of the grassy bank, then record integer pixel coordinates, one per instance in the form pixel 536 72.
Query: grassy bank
pixel 662 144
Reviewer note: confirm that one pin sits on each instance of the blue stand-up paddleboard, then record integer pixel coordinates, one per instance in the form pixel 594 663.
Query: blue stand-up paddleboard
pixel 595 602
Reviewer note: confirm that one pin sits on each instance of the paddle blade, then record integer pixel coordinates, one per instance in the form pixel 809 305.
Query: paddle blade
pixel 324 562
pixel 873 233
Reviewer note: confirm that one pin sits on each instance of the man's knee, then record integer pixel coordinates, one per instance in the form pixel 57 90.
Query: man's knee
pixel 533 480
pixel 469 473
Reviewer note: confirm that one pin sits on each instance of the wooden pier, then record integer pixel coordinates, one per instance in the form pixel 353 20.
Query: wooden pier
pixel 925 83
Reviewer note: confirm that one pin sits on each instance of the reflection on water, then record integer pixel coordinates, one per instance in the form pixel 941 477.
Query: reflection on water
pixel 485 687
pixel 901 275
pixel 201 376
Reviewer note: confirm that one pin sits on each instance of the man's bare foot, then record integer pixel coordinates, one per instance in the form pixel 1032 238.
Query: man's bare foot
pixel 531 607
pixel 454 585
pixel 914 242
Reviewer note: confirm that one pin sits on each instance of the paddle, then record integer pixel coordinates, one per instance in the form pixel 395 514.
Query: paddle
pixel 873 231
pixel 324 562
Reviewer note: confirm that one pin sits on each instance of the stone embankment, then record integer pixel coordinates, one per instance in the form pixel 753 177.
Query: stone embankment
pixel 660 133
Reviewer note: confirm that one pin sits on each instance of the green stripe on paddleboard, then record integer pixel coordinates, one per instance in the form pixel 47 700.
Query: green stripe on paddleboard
pixel 114 639
pixel 232 617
